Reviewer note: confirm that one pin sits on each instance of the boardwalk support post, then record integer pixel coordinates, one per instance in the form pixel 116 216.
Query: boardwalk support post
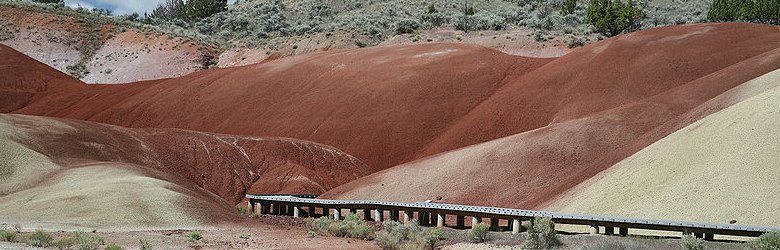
pixel 378 215
pixel 623 231
pixel 461 221
pixel 408 216
pixel 609 230
pixel 516 226
pixel 594 229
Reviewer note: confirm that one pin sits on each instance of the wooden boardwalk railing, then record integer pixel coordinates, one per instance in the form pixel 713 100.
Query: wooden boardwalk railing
pixel 435 214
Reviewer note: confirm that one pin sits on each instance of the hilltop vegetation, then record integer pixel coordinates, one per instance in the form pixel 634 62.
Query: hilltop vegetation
pixel 264 23
pixel 275 26
pixel 252 23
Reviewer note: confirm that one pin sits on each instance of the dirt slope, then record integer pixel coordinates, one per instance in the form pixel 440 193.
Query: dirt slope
pixel 23 78
pixel 528 169
pixel 380 104
pixel 228 166
pixel 726 160
pixel 108 52
pixel 608 74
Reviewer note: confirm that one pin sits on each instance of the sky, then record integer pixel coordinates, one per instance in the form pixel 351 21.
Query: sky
pixel 119 7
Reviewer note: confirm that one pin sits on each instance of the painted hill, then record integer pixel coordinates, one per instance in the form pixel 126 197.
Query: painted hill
pixel 579 115
pixel 467 123
pixel 720 168
pixel 23 78
pixel 99 49
pixel 380 104
pixel 156 177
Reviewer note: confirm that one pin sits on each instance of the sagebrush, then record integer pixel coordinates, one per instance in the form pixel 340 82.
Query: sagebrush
pixel 768 241
pixel 478 233
pixel 395 235
pixel 689 242
pixel 351 226
pixel 39 238
pixel 541 234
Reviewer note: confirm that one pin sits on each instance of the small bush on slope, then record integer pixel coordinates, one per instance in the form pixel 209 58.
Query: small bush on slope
pixel 478 233
pixel 65 243
pixel 194 236
pixel 7 235
pixel 352 226
pixel 39 239
pixel 541 234
pixel 80 240
pixel 768 241
pixel 114 247
pixel 689 242
pixel 145 245
pixel 407 236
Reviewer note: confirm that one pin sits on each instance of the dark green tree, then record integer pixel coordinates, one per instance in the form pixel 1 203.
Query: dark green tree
pixel 766 11
pixel 60 2
pixel 199 9
pixel 569 6
pixel 612 17
pixel 432 9
pixel 761 11
pixel 169 10
pixel 470 11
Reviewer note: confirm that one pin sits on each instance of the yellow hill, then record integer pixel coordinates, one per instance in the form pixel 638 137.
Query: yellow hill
pixel 723 167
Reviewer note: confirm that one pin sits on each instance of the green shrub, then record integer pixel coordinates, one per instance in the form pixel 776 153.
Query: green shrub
pixel 65 243
pixel 389 241
pixel 689 242
pixel 430 237
pixel 194 236
pixel 243 210
pixel 478 233
pixel 569 6
pixel 60 2
pixel 244 236
pixel 114 247
pixel 432 9
pixel 612 17
pixel 768 241
pixel 541 234
pixel 7 235
pixel 352 226
pixel 199 9
pixel 39 239
pixel 80 240
pixel 762 11
pixel 145 245
pixel 406 26
pixel 407 236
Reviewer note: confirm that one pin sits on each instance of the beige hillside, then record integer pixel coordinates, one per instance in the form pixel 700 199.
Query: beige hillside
pixel 37 192
pixel 721 168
